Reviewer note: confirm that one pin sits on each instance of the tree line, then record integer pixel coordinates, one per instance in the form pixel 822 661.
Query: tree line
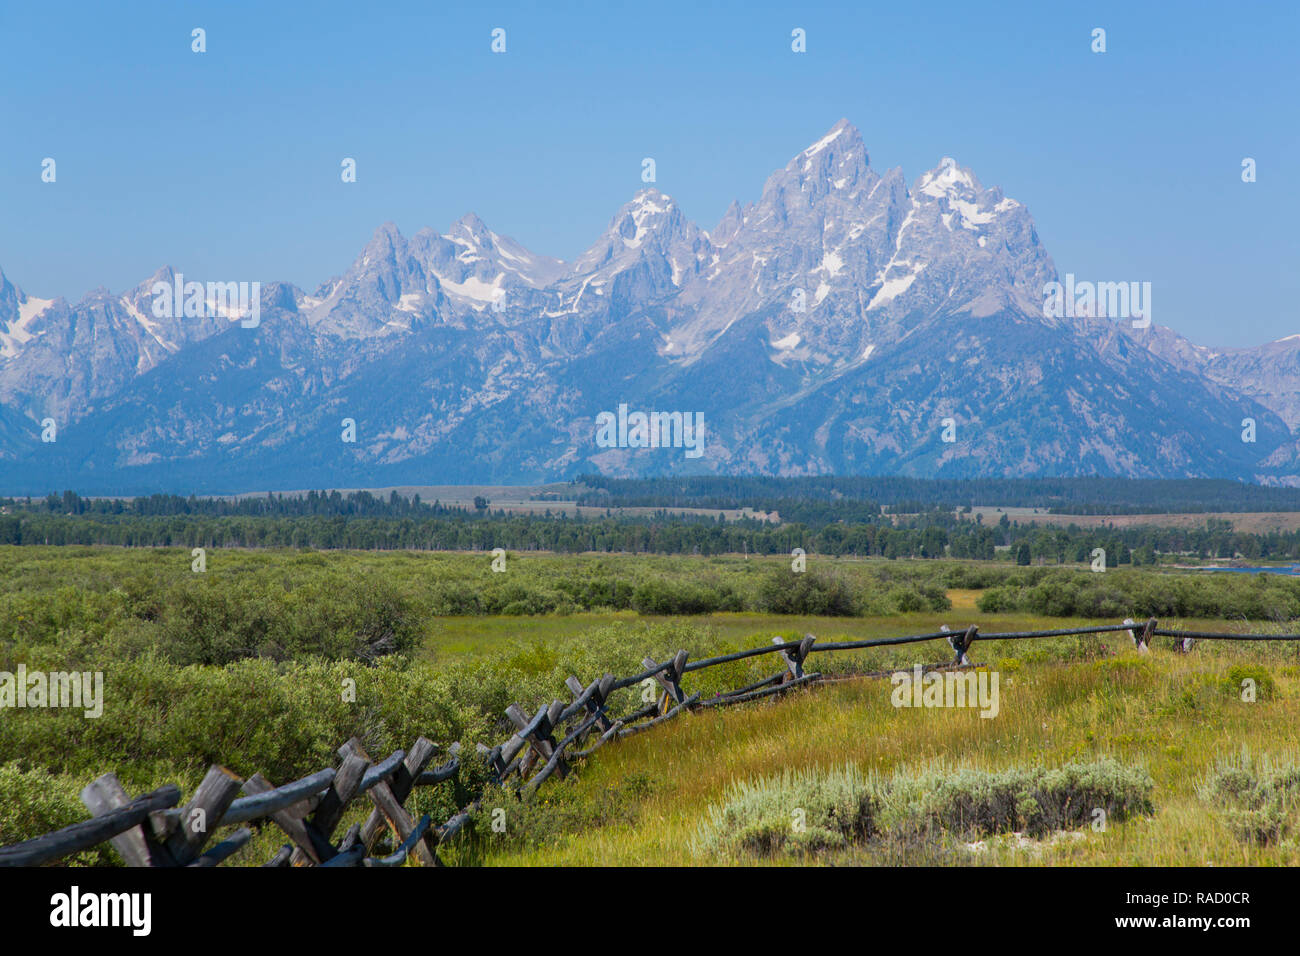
pixel 1087 495
pixel 933 534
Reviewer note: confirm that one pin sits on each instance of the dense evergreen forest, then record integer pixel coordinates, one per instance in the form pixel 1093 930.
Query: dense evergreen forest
pixel 1081 496
pixel 364 521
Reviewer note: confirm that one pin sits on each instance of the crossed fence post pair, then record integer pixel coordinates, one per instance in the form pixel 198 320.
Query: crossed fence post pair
pixel 308 811
pixel 532 739
pixel 1143 634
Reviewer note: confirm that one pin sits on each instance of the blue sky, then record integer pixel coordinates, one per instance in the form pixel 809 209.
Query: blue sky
pixel 227 163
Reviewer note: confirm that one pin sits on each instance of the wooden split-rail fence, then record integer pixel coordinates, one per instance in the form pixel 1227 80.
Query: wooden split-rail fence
pixel 152 831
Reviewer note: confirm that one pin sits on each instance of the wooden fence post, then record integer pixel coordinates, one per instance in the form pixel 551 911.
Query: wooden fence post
pixel 1142 635
pixel 137 845
pixel 670 681
pixel 508 757
pixel 794 658
pixel 290 819
pixel 202 815
pixel 347 781
pixel 526 755
pixel 595 705
pixel 388 806
pixel 961 643
pixel 538 734
pixel 401 785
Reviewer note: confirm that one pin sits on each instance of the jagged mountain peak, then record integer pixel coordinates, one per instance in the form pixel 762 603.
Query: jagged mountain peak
pixel 648 226
pixel 386 240
pixel 947 178
pixel 821 327
pixel 840 154
pixel 472 227
pixel 493 254
pixel 958 187
pixel 649 211
pixel 841 143
pixel 19 313
pixel 164 273
pixel 835 169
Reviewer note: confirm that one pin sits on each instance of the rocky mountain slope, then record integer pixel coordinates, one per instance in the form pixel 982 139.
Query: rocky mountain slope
pixel 842 322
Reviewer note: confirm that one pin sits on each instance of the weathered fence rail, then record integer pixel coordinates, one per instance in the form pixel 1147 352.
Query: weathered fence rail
pixel 152 830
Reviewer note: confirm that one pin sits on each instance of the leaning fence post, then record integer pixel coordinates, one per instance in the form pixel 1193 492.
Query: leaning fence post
pixel 331 808
pixel 202 815
pixel 389 806
pixel 794 657
pixel 290 819
pixel 520 741
pixel 511 755
pixel 670 680
pixel 546 733
pixel 1141 636
pixel 537 735
pixel 961 643
pixel 401 784
pixel 595 705
pixel 136 846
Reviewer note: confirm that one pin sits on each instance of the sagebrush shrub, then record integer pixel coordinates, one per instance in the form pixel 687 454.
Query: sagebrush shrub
pixel 1259 798
pixel 845 806
pixel 797 811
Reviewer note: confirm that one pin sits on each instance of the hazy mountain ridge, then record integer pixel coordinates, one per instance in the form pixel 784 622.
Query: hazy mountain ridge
pixel 829 326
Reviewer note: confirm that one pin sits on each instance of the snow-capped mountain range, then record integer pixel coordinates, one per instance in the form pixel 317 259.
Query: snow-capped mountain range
pixel 844 322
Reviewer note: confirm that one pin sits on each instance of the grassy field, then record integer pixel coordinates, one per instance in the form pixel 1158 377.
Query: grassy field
pixel 1251 522
pixel 530 500
pixel 644 801
pixel 242 665
pixel 454 637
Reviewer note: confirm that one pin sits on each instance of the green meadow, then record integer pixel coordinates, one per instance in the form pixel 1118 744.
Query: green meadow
pixel 1189 756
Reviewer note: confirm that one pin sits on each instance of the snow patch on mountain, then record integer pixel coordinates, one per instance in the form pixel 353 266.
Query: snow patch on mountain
pixel 154 328
pixel 18 332
pixel 474 289
pixel 822 143
pixel 892 289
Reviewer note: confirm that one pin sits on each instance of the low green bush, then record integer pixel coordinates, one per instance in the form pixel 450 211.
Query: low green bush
pixel 1234 682
pixel 1061 592
pixel 670 597
pixel 1035 800
pixel 1258 798
pixel 807 592
pixel 812 810
pixel 999 600
pixel 796 811
pixel 33 802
